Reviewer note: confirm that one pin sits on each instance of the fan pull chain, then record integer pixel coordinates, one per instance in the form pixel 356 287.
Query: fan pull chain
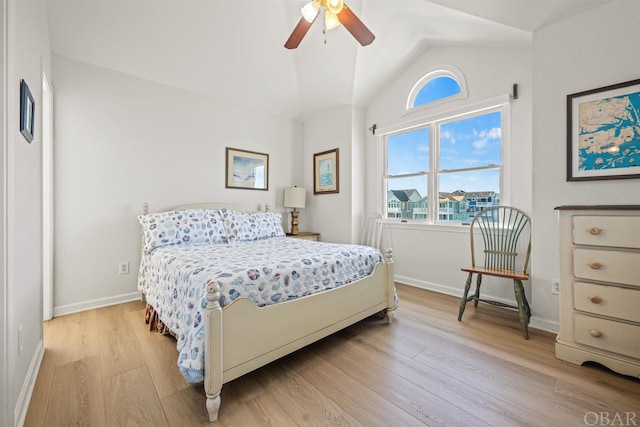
pixel 324 33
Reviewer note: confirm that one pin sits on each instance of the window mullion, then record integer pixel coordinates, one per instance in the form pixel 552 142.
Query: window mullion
pixel 434 149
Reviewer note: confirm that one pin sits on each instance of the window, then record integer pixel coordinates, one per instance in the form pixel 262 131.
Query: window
pixel 437 85
pixel 445 170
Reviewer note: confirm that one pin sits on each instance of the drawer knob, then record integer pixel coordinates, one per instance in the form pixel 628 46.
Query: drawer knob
pixel 595 333
pixel 594 230
pixel 595 265
pixel 595 299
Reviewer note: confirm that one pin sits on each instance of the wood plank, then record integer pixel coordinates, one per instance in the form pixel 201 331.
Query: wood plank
pixel 363 403
pixel 78 335
pixel 130 399
pixel 119 348
pixel 299 400
pixel 76 395
pixel 398 382
pixel 160 355
pixel 37 412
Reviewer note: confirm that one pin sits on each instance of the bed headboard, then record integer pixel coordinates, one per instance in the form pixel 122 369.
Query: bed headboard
pixel 210 205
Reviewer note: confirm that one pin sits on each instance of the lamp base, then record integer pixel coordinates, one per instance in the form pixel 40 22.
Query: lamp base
pixel 294 222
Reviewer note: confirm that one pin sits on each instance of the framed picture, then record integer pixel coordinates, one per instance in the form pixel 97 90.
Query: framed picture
pixel 27 111
pixel 247 169
pixel 326 176
pixel 603 133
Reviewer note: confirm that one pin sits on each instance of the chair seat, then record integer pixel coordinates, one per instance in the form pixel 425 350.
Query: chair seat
pixel 497 272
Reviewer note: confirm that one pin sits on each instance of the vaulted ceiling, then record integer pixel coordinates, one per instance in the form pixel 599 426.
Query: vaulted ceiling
pixel 232 50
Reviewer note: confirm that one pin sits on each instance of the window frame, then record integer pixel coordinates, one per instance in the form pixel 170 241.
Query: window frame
pixel 433 120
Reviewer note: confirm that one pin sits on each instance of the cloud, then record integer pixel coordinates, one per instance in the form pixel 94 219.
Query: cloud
pixel 485 136
pixel 493 133
pixel 447 136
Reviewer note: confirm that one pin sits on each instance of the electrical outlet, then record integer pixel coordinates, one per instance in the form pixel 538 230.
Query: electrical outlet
pixel 20 341
pixel 555 286
pixel 123 267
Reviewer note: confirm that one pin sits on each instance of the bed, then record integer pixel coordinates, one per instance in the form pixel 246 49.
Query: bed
pixel 238 294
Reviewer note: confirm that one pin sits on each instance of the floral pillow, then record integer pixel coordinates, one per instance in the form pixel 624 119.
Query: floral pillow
pixel 244 227
pixel 181 227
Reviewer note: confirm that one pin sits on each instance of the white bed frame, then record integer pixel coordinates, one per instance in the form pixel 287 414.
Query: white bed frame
pixel 274 334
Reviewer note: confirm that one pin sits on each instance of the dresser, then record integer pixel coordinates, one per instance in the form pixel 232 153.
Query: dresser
pixel 600 286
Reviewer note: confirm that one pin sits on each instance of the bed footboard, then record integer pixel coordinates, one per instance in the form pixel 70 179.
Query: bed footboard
pixel 323 314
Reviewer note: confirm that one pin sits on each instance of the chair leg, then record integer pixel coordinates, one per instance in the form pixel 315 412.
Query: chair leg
pixel 463 303
pixel 476 296
pixel 523 307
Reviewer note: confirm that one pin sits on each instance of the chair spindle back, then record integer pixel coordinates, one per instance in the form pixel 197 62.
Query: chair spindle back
pixel 502 229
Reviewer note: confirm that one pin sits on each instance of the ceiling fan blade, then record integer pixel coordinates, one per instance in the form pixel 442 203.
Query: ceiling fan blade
pixel 298 34
pixel 355 26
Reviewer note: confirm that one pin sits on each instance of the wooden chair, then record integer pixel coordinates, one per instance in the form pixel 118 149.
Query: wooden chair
pixel 504 231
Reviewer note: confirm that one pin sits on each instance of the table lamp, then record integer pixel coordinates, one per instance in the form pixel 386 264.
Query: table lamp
pixel 294 198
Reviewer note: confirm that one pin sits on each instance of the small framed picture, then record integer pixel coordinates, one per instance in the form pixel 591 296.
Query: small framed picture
pixel 603 133
pixel 247 170
pixel 326 169
pixel 27 111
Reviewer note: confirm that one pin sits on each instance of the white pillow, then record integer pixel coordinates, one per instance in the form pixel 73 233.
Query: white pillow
pixel 244 227
pixel 189 226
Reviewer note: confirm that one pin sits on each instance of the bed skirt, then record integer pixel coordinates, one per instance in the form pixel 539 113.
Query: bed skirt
pixel 152 319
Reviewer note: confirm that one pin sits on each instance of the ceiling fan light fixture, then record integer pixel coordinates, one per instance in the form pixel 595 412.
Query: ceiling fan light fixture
pixel 330 20
pixel 310 11
pixel 334 6
pixel 336 13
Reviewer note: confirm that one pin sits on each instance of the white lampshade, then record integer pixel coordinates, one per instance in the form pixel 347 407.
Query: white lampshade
pixel 330 20
pixel 334 6
pixel 294 197
pixel 310 10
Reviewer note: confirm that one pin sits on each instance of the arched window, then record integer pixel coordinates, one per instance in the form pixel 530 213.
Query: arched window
pixel 437 85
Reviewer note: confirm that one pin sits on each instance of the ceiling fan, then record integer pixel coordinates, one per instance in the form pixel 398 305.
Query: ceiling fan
pixel 335 13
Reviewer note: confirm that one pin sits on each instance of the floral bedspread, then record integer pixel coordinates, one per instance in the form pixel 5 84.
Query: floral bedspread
pixel 174 280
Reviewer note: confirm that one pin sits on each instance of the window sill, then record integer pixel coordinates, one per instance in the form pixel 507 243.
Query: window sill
pixel 416 225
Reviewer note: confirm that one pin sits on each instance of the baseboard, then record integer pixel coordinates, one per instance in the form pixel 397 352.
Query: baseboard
pixel 96 303
pixel 430 286
pixel 26 391
pixel 544 324
pixel 534 322
pixel 447 290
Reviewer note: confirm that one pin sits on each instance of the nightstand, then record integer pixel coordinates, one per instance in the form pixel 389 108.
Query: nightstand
pixel 306 236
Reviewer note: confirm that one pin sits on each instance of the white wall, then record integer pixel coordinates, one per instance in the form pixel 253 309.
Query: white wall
pixel 121 141
pixel 330 214
pixel 431 257
pixel 592 50
pixel 28 56
pixel 6 404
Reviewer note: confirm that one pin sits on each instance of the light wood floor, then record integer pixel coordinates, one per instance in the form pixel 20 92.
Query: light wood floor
pixel 102 367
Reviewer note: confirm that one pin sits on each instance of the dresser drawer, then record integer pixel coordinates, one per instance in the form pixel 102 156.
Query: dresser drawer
pixel 607 266
pixel 611 301
pixel 616 231
pixel 609 335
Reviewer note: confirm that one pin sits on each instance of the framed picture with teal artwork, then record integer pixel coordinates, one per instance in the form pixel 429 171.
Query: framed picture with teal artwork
pixel 326 175
pixel 603 133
